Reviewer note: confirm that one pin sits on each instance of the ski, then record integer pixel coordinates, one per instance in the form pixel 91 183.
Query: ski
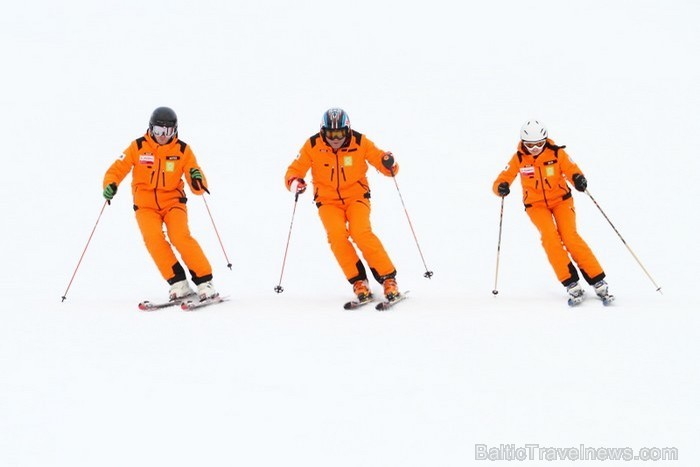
pixel 192 305
pixel 385 305
pixel 352 304
pixel 152 306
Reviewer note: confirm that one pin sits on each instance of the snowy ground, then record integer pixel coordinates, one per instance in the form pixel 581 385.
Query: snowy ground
pixel 292 379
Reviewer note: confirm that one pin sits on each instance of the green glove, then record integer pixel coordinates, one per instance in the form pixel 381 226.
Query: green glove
pixel 195 174
pixel 196 177
pixel 110 191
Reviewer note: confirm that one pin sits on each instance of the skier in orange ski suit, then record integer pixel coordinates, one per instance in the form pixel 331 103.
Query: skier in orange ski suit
pixel 544 170
pixel 338 158
pixel 158 160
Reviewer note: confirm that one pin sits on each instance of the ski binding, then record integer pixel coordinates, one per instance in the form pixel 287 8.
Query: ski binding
pixel 191 305
pixel 385 305
pixel 607 299
pixel 574 301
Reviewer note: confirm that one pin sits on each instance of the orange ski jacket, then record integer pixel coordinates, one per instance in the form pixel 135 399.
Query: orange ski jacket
pixel 543 177
pixel 341 176
pixel 157 172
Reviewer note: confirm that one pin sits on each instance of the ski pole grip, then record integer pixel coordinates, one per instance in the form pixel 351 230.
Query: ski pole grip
pixel 388 161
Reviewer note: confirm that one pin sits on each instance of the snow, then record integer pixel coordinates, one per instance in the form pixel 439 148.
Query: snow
pixel 272 379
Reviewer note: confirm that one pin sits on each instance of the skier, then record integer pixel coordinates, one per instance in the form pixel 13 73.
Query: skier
pixel 544 170
pixel 338 157
pixel 158 160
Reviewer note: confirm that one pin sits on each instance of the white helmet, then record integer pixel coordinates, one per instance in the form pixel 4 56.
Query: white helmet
pixel 533 130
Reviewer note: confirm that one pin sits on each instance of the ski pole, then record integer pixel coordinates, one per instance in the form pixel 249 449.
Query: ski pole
pixel 278 287
pixel 658 289
pixel 428 274
pixel 217 231
pixel 498 250
pixel 63 298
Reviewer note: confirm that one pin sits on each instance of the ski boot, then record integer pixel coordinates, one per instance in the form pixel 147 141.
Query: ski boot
pixel 180 290
pixel 391 289
pixel 206 291
pixel 601 290
pixel 575 293
pixel 362 290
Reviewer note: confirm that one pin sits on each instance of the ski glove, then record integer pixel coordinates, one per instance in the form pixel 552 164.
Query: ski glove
pixel 109 191
pixel 388 161
pixel 503 189
pixel 196 177
pixel 580 182
pixel 297 185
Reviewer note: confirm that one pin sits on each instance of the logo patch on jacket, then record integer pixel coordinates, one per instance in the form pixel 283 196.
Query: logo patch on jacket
pixel 169 166
pixel 347 161
pixel 146 159
pixel 527 171
pixel 172 158
pixel 549 170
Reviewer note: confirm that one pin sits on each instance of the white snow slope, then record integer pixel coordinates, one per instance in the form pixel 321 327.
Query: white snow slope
pixel 292 379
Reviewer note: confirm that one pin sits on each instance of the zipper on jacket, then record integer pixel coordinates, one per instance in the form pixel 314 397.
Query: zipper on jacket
pixel 337 183
pixel 544 192
pixel 155 189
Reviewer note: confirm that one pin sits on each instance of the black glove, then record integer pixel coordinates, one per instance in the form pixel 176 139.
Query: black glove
pixel 503 189
pixel 109 191
pixel 580 182
pixel 388 161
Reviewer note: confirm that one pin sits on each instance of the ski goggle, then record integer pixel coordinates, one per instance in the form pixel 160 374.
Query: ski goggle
pixel 534 144
pixel 157 130
pixel 339 133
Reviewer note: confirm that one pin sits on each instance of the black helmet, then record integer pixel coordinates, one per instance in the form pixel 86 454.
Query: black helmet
pixel 163 116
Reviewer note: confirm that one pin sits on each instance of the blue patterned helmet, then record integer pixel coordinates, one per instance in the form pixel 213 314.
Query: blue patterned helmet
pixel 335 124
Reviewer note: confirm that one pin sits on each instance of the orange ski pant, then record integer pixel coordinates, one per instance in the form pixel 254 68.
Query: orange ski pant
pixel 351 220
pixel 557 227
pixel 151 222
